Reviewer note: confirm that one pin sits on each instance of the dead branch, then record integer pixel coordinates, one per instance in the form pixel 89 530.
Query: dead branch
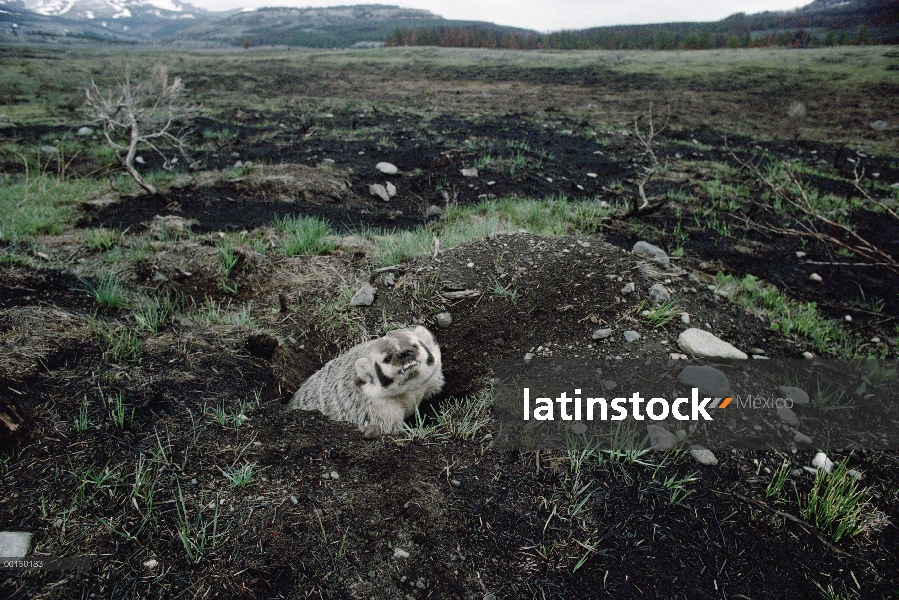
pixel 810 228
pixel 151 114
pixel 646 140
pixel 858 185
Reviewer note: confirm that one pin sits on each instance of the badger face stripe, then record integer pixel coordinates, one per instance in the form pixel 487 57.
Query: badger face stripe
pixel 384 380
pixel 430 360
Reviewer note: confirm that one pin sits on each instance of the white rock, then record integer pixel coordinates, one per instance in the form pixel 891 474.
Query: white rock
pixel 685 318
pixel 140 160
pixel 391 189
pixel 660 439
pixel 794 393
pixel 631 336
pixel 528 357
pixel 659 293
pixel 703 456
pixel 49 149
pixel 444 319
pixel 469 172
pixel 702 343
pixel 364 297
pixel 387 168
pixel 677 356
pixel 848 318
pixel 84 132
pixel 628 288
pixel 822 462
pixel 151 564
pixel 601 334
pixel 400 553
pixel 800 254
pixel 14 544
pixel 376 189
pixel 647 250
pixel 335 475
pixel 816 278
pixel 808 355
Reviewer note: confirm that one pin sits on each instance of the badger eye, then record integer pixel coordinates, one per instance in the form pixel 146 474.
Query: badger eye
pixel 388 358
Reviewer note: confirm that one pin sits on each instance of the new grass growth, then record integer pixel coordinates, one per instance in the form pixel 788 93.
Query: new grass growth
pixel 107 290
pixel 839 506
pixel 39 204
pixel 305 236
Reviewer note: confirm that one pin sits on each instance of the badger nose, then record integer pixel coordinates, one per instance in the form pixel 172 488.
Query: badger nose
pixel 407 354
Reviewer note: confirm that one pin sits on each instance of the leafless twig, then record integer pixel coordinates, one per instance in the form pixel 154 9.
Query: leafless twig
pixel 151 114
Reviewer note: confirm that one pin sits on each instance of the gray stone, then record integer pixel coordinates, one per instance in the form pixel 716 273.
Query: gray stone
pixel 14 544
pixel 702 343
pixel 756 351
pixel 376 189
pixel 647 250
pixel 628 288
pixel 659 293
pixel 798 396
pixel 444 319
pixel 808 355
pixel 469 172
pixel 578 428
pixel 685 318
pixel 660 439
pixel 49 149
pixel 400 553
pixel 822 462
pixel 84 132
pixel 801 438
pixel 709 380
pixel 364 297
pixel 140 160
pixel 816 278
pixel 387 168
pixel 787 416
pixel 703 456
pixel 631 335
pixel 601 334
pixel 391 189
pixel 528 357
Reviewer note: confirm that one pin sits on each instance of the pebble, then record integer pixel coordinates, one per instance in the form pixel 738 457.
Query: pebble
pixel 816 278
pixel 335 475
pixel 528 357
pixel 787 416
pixel 84 131
pixel 794 393
pixel 444 319
pixel 391 189
pixel 756 351
pixel 151 564
pixel 387 168
pixel 677 356
pixel 685 318
pixel 455 483
pixel 848 318
pixel 659 293
pixel 601 334
pixel 469 172
pixel 631 335
pixel 875 340
pixel 699 342
pixel 140 160
pixel 801 438
pixel 709 380
pixel 647 250
pixel 808 355
pixel 364 297
pixel 376 189
pixel 800 254
pixel 822 462
pixel 14 544
pixel 400 553
pixel 628 288
pixel 578 428
pixel 660 439
pixel 703 456
pixel 49 149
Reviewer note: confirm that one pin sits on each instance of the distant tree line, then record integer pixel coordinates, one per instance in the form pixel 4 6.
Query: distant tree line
pixel 878 24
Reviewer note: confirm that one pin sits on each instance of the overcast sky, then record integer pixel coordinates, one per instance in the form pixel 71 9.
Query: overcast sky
pixel 551 15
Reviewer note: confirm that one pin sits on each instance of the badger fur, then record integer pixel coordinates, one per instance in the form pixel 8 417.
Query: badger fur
pixel 376 384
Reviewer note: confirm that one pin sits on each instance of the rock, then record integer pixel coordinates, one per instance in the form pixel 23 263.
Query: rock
pixel 660 439
pixel 801 438
pixel 677 356
pixel 685 318
pixel 49 149
pixel 880 125
pixel 709 380
pixel 794 393
pixel 364 297
pixel 578 428
pixel 387 168
pixel 702 343
pixel 808 355
pixel 432 210
pixel 756 351
pixel 376 189
pixel 703 456
pixel 158 277
pixel 601 334
pixel 140 160
pixel 788 416
pixel 659 293
pixel 14 544
pixel 822 462
pixel 528 357
pixel 400 553
pixel 628 288
pixel 335 475
pixel 816 278
pixel 444 319
pixel 328 161
pixel 469 172
pixel 455 483
pixel 848 318
pixel 391 189
pixel 800 254
pixel 151 564
pixel 647 250
pixel 84 132
pixel 238 164
pixel 631 335
pixel 854 474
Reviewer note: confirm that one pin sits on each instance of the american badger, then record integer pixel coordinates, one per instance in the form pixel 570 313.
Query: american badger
pixel 376 384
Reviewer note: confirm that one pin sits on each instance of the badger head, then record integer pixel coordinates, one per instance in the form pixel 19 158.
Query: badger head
pixel 398 363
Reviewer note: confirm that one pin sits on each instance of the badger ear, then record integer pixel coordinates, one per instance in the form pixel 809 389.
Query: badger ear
pixel 423 335
pixel 365 369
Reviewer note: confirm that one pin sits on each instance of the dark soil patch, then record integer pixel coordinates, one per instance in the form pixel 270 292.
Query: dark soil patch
pixel 23 286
